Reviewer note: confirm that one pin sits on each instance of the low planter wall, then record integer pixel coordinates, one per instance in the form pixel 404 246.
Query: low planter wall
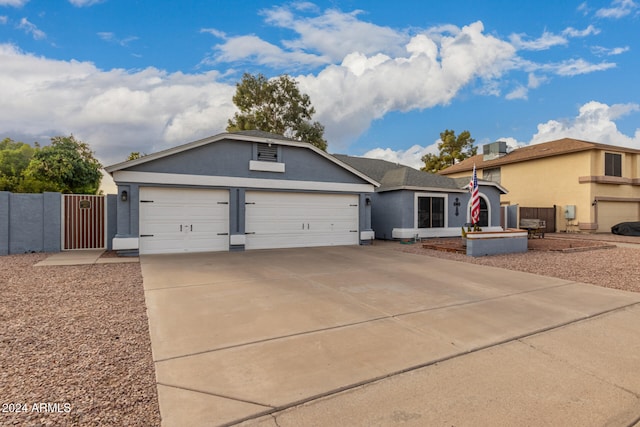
pixel 482 243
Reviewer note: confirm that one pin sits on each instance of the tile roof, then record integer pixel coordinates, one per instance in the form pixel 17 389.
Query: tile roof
pixel 531 152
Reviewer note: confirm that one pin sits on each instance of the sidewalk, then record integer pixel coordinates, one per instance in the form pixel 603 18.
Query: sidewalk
pixel 83 257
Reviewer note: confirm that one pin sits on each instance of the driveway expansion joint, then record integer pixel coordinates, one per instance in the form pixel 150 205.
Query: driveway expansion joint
pixel 219 395
pixel 379 378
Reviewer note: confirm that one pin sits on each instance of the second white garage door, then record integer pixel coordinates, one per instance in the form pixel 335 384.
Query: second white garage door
pixel 177 220
pixel 290 220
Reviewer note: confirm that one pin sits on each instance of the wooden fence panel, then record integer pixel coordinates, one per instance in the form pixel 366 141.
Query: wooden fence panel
pixel 546 214
pixel 83 222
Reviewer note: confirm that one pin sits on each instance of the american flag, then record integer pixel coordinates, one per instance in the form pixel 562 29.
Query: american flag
pixel 475 198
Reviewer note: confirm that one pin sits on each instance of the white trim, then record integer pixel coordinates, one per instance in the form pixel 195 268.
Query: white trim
pixel 424 233
pixel 367 235
pixel 439 190
pixel 486 200
pixel 444 196
pixel 237 239
pixel 121 243
pixel 257 165
pixel 230 181
pixel 496 234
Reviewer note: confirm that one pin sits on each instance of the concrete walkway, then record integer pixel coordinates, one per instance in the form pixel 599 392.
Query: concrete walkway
pixel 82 257
pixel 367 336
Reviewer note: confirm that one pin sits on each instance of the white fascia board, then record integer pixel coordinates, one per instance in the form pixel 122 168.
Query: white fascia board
pixel 230 181
pixel 257 165
pixel 423 233
pixel 423 189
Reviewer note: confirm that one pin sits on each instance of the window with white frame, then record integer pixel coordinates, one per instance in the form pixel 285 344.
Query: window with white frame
pixel 430 211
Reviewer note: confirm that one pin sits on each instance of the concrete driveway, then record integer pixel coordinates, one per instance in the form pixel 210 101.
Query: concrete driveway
pixel 371 336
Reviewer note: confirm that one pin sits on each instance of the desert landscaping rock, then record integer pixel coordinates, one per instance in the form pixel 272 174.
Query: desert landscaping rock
pixel 75 338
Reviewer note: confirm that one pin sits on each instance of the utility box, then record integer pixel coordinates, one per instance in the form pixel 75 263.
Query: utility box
pixel 570 212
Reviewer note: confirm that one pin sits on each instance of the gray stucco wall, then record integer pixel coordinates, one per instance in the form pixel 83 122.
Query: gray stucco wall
pixel 112 218
pixel 30 222
pixel 391 209
pixel 231 159
pixel 396 209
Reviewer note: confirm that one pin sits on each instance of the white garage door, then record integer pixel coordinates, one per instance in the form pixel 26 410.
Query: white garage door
pixel 176 220
pixel 290 220
pixel 612 213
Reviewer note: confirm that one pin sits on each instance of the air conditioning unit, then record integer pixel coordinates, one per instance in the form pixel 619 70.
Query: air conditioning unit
pixel 570 212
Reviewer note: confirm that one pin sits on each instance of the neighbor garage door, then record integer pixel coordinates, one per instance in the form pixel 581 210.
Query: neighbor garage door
pixel 612 213
pixel 289 220
pixel 176 220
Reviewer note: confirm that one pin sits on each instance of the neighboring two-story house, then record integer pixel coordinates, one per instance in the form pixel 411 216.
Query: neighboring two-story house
pixel 594 186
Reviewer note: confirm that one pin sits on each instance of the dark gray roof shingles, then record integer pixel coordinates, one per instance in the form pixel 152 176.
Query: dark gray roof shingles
pixel 394 175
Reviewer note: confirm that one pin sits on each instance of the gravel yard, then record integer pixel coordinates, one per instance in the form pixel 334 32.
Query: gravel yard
pixel 616 268
pixel 75 338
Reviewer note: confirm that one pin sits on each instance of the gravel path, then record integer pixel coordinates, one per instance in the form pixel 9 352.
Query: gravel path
pixel 76 339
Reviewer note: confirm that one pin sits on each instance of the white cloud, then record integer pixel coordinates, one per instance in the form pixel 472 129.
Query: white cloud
pixel 32 29
pixel 84 3
pixel 216 33
pixel 595 122
pixel 618 9
pixel 363 88
pixel 410 157
pixel 3 19
pixel 572 32
pixel 335 34
pixel 115 111
pixel 14 3
pixel 519 92
pixel 254 49
pixel 111 37
pixel 603 51
pixel 546 41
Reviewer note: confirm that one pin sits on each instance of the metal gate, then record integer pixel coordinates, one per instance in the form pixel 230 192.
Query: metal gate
pixel 83 225
pixel 546 214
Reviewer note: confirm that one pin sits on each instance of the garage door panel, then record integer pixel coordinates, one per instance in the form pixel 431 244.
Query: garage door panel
pixel 612 213
pixel 183 220
pixel 289 220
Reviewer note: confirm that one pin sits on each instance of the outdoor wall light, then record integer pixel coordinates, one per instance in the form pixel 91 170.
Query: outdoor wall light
pixel 367 201
pixel 595 202
pixel 124 195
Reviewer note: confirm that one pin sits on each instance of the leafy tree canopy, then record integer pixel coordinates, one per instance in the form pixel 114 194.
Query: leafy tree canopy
pixel 135 155
pixel 451 149
pixel 67 166
pixel 275 106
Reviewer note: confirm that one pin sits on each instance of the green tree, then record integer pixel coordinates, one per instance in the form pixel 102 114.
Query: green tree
pixel 135 155
pixel 67 166
pixel 275 106
pixel 451 149
pixel 14 159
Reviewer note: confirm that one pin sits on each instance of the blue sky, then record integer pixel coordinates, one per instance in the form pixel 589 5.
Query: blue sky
pixel 385 77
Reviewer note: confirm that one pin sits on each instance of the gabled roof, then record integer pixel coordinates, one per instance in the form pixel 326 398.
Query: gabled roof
pixel 393 176
pixel 248 136
pixel 531 152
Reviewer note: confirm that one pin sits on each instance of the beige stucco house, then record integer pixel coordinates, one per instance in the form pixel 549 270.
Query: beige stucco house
pixel 594 186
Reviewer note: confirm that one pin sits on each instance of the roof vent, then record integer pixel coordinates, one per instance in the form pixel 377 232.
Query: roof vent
pixel 494 150
pixel 267 152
